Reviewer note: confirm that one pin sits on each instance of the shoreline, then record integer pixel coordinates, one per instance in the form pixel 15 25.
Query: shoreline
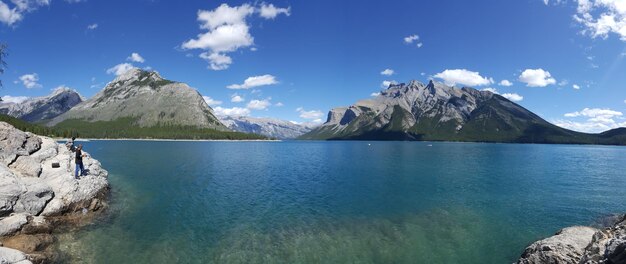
pixel 170 140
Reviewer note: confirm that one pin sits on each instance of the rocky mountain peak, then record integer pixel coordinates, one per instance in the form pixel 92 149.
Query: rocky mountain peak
pixel 149 100
pixel 137 77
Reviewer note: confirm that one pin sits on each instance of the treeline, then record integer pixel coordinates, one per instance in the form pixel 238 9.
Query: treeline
pixel 126 128
pixel 37 129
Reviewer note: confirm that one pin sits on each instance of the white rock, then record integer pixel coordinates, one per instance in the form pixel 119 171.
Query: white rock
pixel 12 224
pixel 12 256
pixel 566 246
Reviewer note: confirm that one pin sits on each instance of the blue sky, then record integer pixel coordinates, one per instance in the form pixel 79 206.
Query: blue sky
pixel 564 60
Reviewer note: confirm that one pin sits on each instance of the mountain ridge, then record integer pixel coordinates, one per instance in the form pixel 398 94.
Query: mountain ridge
pixel 40 109
pixel 436 112
pixel 270 127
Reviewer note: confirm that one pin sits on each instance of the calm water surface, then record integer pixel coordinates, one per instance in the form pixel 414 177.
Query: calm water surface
pixel 338 202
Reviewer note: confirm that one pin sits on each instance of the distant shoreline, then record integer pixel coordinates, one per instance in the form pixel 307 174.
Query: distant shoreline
pixel 167 140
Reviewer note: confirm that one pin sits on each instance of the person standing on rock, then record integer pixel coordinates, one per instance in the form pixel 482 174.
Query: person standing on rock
pixel 79 161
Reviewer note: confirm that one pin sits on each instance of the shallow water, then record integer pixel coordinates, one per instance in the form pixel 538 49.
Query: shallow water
pixel 337 202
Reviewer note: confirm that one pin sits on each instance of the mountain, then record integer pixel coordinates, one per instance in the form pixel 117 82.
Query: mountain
pixel 43 108
pixel 437 112
pixel 270 127
pixel 142 104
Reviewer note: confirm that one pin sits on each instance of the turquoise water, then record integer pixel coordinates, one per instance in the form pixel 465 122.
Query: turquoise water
pixel 339 202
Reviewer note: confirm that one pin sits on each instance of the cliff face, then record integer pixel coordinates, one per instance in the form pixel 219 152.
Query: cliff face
pixel 580 244
pixel 35 197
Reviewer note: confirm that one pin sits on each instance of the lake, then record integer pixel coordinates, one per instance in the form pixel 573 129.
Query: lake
pixel 339 202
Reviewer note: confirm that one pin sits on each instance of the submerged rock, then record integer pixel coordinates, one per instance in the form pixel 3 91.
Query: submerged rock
pixel 35 197
pixel 581 244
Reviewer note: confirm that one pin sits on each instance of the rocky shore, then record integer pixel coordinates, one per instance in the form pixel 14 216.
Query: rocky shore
pixel 37 199
pixel 581 244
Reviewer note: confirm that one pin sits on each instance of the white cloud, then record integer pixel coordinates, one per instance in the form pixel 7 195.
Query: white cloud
pixel 135 57
pixel 270 11
pixel 120 69
pixel 576 86
pixel 279 104
pixel 625 101
pixel 258 104
pixel 563 82
pixel 413 39
pixel 536 78
pixel 217 61
pixel 311 115
pixel 375 94
pixel 211 102
pixel 594 112
pixel 589 126
pixel 594 120
pixel 30 81
pixel 11 15
pixel 506 83
pixel 387 72
pixel 385 84
pixel 236 98
pixel 235 111
pixel 227 31
pixel 410 39
pixel 255 81
pixel 492 90
pixel 546 2
pixel 600 18
pixel 463 77
pixel 513 97
pixel 14 99
pixel 92 26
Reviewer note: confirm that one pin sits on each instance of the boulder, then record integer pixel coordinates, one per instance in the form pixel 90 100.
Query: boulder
pixel 12 256
pixel 10 190
pixel 581 244
pixel 566 246
pixel 14 143
pixel 10 225
pixel 26 166
pixel 34 198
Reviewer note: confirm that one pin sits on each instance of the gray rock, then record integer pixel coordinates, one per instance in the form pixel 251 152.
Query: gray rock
pixel 10 190
pixel 12 256
pixel 581 244
pixel 566 246
pixel 10 225
pixel 34 198
pixel 14 143
pixel 608 245
pixel 26 166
